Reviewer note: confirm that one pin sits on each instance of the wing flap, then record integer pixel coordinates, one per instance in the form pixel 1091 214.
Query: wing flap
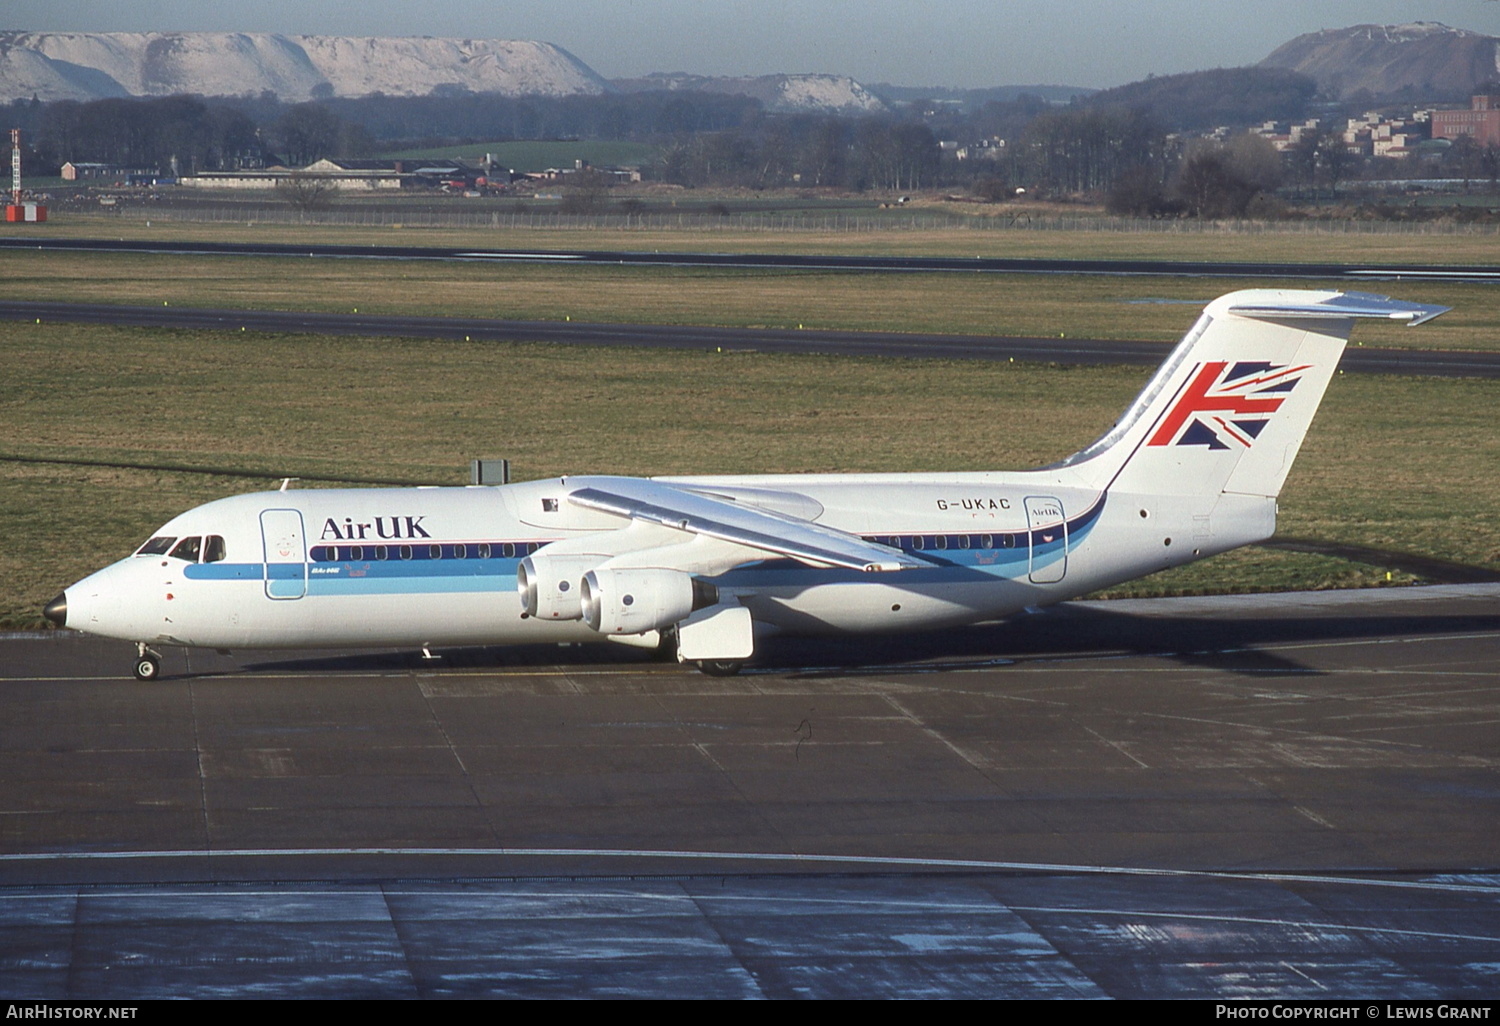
pixel 654 502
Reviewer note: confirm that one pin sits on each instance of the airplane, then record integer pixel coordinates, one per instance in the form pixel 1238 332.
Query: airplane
pixel 706 566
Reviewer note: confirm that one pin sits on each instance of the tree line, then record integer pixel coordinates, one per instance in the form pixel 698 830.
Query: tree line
pixel 192 133
pixel 1133 154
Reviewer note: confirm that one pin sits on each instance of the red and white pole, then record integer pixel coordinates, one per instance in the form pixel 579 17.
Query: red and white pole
pixel 15 166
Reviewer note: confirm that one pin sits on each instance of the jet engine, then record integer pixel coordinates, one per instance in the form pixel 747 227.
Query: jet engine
pixel 631 601
pixel 550 586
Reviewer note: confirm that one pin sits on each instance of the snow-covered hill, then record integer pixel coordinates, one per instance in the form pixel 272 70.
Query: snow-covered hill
pixel 832 94
pixel 90 65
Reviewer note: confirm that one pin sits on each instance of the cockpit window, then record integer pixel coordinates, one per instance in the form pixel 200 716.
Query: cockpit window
pixel 156 546
pixel 188 549
pixel 213 549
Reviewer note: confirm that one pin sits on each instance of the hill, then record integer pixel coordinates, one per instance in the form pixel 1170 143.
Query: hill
pixel 783 94
pixel 1201 100
pixel 1423 60
pixel 969 100
pixel 95 65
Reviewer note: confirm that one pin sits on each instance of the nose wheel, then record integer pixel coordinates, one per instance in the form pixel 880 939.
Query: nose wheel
pixel 147 663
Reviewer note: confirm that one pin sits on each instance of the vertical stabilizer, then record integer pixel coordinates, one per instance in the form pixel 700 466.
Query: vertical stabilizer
pixel 1228 410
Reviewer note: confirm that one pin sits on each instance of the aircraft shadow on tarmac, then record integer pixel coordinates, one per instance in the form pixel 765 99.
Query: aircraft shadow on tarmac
pixel 1230 644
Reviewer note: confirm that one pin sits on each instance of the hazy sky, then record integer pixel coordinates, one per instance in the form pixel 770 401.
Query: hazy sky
pixel 956 43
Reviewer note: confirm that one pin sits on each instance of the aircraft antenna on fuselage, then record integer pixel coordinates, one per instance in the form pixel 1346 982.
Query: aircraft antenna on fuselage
pixel 286 483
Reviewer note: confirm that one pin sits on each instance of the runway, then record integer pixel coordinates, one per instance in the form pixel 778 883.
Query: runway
pixel 1358 359
pixel 822 262
pixel 1254 796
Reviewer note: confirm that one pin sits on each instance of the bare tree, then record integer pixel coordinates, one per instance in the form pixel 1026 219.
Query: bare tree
pixel 587 191
pixel 1217 180
pixel 1319 157
pixel 1138 192
pixel 306 132
pixel 307 193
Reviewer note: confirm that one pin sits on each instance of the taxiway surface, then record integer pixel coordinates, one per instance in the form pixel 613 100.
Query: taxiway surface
pixel 889 344
pixel 1291 795
pixel 785 261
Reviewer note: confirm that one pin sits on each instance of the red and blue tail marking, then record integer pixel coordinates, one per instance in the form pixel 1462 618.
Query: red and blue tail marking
pixel 1226 404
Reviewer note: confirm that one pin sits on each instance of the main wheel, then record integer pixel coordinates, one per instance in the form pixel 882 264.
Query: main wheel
pixel 147 667
pixel 721 667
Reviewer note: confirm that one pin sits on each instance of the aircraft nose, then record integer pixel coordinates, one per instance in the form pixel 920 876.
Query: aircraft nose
pixel 57 610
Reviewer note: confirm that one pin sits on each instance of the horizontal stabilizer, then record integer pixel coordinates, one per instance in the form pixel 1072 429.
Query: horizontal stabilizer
pixel 1339 306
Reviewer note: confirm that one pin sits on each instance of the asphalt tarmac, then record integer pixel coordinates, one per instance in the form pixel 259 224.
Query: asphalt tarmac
pixel 998 265
pixel 1254 796
pixel 1357 359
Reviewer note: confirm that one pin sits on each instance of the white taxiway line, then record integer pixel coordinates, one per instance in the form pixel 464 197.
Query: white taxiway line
pixel 894 862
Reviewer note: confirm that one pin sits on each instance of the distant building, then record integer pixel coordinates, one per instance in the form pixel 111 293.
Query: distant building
pixel 74 171
pixel 349 175
pixel 1272 132
pixel 1373 135
pixel 1481 121
pixel 614 175
pixel 1283 141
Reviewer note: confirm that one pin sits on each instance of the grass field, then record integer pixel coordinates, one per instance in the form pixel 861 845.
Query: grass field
pixel 1400 463
pixel 538 155
pixel 1187 241
pixel 1100 306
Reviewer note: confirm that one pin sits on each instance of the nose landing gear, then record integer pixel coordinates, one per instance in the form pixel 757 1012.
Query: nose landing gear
pixel 147 662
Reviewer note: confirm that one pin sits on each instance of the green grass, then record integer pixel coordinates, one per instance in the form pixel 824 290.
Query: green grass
pixel 538 155
pixel 1255 569
pixel 1101 307
pixel 1404 463
pixel 1192 242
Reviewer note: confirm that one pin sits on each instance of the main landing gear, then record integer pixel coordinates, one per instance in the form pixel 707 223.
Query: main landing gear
pixel 720 667
pixel 147 662
pixel 667 652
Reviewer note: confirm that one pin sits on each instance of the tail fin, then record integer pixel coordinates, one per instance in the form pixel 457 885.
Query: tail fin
pixel 1228 410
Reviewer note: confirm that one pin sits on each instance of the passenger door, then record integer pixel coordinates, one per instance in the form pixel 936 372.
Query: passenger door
pixel 1047 533
pixel 285 547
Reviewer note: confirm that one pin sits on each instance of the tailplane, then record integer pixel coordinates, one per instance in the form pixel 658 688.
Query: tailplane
pixel 1229 408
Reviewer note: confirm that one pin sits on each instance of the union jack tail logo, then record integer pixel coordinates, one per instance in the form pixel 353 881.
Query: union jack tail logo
pixel 1227 404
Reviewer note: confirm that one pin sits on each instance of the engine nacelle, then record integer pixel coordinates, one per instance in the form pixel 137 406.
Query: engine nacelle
pixel 550 586
pixel 632 601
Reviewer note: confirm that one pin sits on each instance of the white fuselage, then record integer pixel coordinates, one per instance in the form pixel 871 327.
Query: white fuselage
pixel 706 564
pixel 437 566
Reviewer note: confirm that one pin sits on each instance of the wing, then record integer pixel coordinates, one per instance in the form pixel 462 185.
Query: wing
pixel 654 502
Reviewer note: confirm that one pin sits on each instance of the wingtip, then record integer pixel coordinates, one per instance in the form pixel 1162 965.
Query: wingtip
pixel 1427 314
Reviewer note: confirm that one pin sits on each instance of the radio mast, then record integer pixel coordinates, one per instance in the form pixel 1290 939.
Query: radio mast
pixel 17 210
